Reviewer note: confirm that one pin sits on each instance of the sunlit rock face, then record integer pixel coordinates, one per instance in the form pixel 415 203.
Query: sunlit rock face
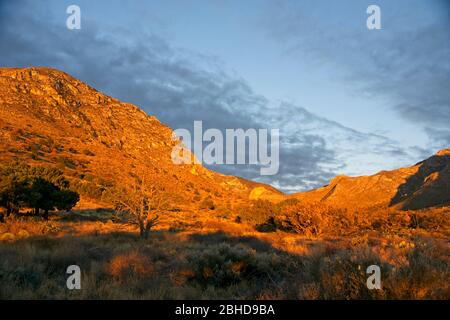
pixel 48 117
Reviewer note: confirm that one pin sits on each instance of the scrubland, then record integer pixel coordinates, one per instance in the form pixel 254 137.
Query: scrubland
pixel 260 251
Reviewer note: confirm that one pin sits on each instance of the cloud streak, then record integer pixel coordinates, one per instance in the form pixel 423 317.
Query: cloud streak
pixel 408 62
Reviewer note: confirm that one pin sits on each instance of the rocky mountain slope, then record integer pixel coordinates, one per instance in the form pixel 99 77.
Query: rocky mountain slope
pixel 48 117
pixel 423 185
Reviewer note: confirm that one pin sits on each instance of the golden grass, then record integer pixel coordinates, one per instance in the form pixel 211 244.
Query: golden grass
pixel 191 256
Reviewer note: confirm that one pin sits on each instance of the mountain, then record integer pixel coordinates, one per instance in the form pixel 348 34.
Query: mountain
pixel 426 184
pixel 49 118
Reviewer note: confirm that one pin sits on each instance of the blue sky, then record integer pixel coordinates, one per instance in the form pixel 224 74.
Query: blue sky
pixel 348 100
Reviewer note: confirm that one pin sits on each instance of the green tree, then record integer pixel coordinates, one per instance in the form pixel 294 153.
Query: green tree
pixel 13 187
pixel 42 195
pixel 47 196
pixel 13 194
pixel 34 187
pixel 67 199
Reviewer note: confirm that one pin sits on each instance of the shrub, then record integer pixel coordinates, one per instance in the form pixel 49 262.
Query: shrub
pixel 129 264
pixel 343 274
pixel 63 163
pixel 311 219
pixel 23 234
pixel 431 221
pixel 258 211
pixel 224 265
pixel 287 202
pixel 89 189
pixel 207 204
pixel 88 153
pixel 304 218
pixel 7 237
pixel 268 226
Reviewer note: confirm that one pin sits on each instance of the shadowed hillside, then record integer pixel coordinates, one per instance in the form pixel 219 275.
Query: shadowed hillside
pixel 429 186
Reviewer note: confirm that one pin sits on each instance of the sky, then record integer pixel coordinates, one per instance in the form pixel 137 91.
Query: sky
pixel 347 100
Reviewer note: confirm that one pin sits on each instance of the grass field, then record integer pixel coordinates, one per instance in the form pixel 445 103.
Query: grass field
pixel 193 255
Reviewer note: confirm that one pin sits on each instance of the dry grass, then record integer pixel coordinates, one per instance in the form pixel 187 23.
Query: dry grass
pixel 213 258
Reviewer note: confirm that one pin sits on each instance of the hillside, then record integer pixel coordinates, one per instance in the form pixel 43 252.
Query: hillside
pixel 426 184
pixel 49 118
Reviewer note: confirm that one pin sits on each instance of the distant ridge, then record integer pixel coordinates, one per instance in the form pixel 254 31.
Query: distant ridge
pixel 426 184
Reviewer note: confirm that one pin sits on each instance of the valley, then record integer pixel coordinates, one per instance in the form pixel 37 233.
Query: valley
pixel 146 228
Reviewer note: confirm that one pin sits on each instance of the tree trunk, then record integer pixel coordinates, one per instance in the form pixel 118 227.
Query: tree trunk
pixel 141 230
pixel 8 211
pixel 145 235
pixel 148 227
pixel 144 229
pixel 36 211
pixel 46 214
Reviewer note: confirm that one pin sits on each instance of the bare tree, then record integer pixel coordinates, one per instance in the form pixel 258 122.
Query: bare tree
pixel 141 204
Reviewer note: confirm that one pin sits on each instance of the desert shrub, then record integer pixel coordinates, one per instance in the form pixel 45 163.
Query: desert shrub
pixel 88 152
pixel 288 202
pixel 311 219
pixel 46 144
pixel 189 185
pixel 35 150
pixel 343 275
pixel 426 274
pixel 63 163
pixel 129 264
pixel 88 188
pixel 388 221
pixel 257 212
pixel 431 220
pixel 23 227
pixel 268 226
pixel 7 237
pixel 207 204
pixel 224 265
pixel 23 234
